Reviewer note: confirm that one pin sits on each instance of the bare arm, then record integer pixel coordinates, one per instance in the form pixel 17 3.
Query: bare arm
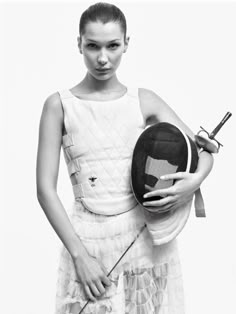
pixel 91 273
pixel 154 110
pixel 48 158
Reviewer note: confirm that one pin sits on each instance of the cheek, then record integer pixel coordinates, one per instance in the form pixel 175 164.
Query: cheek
pixel 89 58
pixel 117 56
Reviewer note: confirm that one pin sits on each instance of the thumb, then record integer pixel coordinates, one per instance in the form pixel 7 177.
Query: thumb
pixel 173 176
pixel 102 267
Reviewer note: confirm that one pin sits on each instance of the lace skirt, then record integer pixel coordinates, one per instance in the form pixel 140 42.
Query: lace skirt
pixel 147 279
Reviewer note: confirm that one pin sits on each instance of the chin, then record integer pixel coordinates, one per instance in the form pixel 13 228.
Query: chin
pixel 102 77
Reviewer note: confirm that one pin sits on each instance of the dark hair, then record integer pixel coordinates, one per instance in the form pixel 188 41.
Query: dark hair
pixel 103 12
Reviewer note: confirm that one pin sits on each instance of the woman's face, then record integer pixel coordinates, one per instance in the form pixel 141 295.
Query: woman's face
pixel 102 46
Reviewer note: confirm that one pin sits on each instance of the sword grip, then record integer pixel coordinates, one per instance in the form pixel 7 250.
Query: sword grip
pixel 219 126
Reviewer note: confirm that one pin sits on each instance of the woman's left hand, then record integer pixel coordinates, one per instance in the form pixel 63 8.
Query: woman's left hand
pixel 178 194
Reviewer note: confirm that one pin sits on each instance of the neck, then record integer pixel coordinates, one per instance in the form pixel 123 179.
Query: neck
pixel 92 84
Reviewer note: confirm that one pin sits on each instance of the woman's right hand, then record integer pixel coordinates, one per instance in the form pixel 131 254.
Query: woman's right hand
pixel 92 275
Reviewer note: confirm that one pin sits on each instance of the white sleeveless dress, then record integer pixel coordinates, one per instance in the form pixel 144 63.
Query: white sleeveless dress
pixel 98 148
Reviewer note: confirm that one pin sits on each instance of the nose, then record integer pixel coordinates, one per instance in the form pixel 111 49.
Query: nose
pixel 102 58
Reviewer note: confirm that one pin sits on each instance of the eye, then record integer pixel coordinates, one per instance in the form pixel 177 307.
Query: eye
pixel 114 45
pixel 92 46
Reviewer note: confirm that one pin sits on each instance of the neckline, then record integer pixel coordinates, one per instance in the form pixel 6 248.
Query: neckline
pixel 90 100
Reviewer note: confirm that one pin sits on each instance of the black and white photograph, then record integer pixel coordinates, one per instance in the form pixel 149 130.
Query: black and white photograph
pixel 118 124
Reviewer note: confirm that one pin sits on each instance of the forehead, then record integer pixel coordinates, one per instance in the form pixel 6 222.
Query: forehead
pixel 98 31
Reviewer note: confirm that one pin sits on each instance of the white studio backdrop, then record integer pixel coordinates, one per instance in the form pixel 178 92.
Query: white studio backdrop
pixel 185 52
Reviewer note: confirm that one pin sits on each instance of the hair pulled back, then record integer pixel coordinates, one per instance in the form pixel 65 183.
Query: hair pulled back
pixel 102 12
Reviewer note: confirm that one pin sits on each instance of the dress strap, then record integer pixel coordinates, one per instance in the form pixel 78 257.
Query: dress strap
pixel 65 93
pixel 64 97
pixel 132 91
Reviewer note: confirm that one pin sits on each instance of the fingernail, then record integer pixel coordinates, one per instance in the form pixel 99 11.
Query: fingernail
pixel 162 177
pixel 145 195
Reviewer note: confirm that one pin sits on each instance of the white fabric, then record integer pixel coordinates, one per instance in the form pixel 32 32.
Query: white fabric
pixel 99 143
pixel 100 138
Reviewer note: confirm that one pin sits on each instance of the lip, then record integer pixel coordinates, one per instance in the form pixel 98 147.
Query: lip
pixel 103 70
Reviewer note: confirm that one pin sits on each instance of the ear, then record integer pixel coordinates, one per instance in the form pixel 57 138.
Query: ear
pixel 79 44
pixel 126 43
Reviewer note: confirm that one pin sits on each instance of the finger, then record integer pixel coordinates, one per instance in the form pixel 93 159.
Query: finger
pixel 162 192
pixel 162 202
pixel 158 210
pixel 89 294
pixel 163 209
pixel 173 176
pixel 94 290
pixel 166 208
pixel 106 281
pixel 100 287
pixel 105 271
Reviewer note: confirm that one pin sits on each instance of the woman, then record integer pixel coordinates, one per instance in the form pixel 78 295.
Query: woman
pixel 97 122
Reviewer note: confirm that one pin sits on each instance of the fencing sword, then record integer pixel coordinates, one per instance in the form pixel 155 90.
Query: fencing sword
pixel 205 143
pixel 136 237
pixel 210 143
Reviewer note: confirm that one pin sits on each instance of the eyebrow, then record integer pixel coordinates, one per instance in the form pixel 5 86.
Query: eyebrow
pixel 88 39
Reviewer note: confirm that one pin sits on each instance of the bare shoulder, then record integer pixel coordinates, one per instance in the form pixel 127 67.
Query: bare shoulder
pixel 151 104
pixel 52 115
pixel 53 104
pixel 145 92
pixel 155 109
pixel 148 96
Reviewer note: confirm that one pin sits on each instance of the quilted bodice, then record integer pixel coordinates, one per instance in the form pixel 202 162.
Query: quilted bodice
pixel 98 148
